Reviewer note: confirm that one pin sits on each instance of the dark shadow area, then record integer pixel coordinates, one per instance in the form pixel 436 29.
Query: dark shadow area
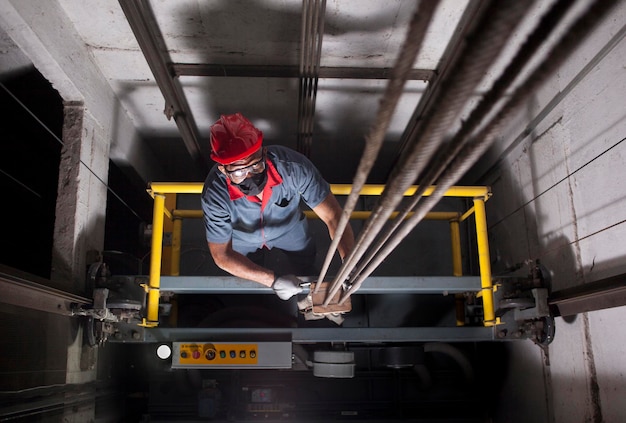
pixel 29 169
pixel 33 350
pixel 129 210
pixel 443 389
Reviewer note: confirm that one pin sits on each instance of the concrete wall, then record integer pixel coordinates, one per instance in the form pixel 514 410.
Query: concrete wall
pixel 558 196
pixel 45 35
pixel 95 129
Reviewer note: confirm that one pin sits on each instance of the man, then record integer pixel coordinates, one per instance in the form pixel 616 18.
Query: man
pixel 251 204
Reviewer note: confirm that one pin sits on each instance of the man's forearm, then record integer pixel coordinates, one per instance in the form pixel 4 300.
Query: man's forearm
pixel 239 265
pixel 347 242
pixel 330 212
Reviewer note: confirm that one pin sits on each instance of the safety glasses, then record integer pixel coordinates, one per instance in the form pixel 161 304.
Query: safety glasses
pixel 240 174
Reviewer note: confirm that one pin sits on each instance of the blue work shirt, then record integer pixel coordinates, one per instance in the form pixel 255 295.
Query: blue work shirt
pixel 277 221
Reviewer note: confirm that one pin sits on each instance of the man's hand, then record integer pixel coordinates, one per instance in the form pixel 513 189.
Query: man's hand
pixel 287 286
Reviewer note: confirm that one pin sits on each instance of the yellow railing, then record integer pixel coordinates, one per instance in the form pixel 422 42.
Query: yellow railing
pixel 479 194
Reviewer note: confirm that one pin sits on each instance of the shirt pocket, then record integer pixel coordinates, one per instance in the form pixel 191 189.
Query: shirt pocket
pixel 281 213
pixel 283 203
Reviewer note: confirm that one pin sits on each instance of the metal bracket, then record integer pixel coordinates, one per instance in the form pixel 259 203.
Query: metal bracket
pixel 168 110
pixel 540 309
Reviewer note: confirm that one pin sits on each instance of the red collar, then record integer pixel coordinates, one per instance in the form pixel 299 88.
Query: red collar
pixel 273 179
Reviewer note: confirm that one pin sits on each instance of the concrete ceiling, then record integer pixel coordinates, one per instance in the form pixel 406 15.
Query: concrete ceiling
pixel 227 56
pixel 357 34
pixel 364 34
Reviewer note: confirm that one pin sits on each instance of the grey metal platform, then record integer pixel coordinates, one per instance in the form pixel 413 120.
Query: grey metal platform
pixel 372 285
pixel 444 285
pixel 309 335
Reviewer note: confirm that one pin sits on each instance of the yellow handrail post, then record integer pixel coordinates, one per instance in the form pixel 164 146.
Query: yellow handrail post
pixel 457 269
pixel 177 229
pixel 166 264
pixel 484 262
pixel 155 261
pixel 455 237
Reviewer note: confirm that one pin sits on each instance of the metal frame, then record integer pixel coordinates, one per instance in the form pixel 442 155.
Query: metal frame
pixel 373 285
pixel 309 335
pixel 480 194
pixel 278 71
pixel 20 290
pixel 598 295
pixel 143 24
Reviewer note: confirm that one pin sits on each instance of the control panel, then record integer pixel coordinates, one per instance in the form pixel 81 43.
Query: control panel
pixel 232 355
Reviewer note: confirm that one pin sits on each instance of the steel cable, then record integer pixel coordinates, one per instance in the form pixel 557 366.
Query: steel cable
pixel 482 47
pixel 317 55
pixel 476 147
pixel 547 23
pixel 304 60
pixel 313 18
pixel 375 137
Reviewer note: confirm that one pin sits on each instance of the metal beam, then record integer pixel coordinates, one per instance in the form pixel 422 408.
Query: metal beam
pixel 372 285
pixel 337 189
pixel 278 71
pixel 313 19
pixel 310 335
pixel 19 289
pixel 599 295
pixel 35 404
pixel 143 24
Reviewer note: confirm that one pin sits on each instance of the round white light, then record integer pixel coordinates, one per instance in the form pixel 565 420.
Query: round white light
pixel 164 352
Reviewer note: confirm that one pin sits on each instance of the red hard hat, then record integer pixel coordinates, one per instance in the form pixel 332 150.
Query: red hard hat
pixel 233 138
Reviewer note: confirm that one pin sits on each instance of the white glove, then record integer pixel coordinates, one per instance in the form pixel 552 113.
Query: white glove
pixel 287 286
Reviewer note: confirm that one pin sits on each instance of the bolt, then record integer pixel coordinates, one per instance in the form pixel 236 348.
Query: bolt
pixel 136 335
